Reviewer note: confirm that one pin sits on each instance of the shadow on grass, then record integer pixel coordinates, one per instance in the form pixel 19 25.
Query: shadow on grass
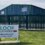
pixel 21 43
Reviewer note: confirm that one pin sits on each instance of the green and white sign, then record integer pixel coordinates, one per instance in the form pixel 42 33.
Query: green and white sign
pixel 9 31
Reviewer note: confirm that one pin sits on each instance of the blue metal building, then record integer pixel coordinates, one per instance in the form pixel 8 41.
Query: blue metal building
pixel 20 9
pixel 27 16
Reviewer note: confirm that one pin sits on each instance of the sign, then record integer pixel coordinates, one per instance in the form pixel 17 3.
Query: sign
pixel 9 31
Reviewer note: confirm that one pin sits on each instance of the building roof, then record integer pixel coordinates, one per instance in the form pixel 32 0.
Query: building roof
pixel 21 9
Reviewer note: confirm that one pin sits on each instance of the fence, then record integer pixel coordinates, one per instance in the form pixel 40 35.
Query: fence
pixel 24 21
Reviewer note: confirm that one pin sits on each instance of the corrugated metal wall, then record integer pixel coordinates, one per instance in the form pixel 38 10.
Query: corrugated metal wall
pixel 23 10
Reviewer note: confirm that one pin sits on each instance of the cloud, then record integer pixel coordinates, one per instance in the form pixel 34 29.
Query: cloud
pixel 4 3
pixel 39 3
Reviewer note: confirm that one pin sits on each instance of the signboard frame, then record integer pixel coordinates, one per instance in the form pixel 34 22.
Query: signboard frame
pixel 17 30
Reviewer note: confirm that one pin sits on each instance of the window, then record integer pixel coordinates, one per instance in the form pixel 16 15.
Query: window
pixel 24 9
pixel 2 12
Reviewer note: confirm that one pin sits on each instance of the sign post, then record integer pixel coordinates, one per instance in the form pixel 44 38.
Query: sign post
pixel 9 31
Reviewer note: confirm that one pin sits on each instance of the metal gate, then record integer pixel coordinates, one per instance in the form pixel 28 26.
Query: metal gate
pixel 24 21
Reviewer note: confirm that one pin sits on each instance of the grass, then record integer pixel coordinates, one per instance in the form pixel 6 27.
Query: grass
pixel 33 37
pixel 30 38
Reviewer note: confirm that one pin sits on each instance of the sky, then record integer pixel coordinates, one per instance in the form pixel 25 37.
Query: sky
pixel 5 3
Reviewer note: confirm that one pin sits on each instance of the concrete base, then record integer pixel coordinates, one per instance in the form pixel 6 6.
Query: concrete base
pixel 1 42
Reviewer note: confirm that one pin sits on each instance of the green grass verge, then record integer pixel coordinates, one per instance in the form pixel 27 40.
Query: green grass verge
pixel 30 38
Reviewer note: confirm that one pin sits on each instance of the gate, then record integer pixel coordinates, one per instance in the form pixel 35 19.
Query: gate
pixel 24 21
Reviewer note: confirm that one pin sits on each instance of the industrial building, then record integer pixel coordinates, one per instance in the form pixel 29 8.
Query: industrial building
pixel 27 16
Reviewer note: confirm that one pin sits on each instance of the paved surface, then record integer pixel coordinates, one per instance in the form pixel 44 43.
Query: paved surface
pixel 9 42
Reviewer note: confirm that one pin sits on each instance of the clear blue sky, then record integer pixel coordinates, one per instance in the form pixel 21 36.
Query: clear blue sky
pixel 39 3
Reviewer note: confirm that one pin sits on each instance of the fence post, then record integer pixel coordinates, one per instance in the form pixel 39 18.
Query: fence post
pixel 26 21
pixel 8 19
